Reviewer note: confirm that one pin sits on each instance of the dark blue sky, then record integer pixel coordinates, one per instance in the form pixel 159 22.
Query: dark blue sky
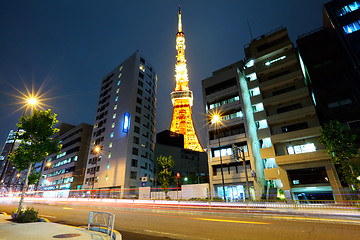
pixel 72 45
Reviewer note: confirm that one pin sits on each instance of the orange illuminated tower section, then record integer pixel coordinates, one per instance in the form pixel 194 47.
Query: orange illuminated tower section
pixel 182 97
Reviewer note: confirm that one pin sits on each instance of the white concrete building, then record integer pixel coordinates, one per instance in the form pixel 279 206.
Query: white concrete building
pixel 124 127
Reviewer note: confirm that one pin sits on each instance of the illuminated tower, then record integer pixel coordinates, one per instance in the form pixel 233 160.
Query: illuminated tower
pixel 182 97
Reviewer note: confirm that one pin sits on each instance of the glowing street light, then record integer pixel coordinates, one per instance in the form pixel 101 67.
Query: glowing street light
pixel 96 150
pixel 216 119
pixel 32 101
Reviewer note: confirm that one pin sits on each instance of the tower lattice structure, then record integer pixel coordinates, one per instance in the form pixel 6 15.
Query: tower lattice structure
pixel 182 97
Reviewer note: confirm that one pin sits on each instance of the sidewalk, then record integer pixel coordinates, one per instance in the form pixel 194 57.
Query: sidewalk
pixel 47 230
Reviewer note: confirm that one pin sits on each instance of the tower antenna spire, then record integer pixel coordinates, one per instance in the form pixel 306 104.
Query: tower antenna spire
pixel 182 97
pixel 179 24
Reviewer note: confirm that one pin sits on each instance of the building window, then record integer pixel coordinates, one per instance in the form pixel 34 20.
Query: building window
pixel 110 145
pixel 118 83
pixel 140 83
pixel 107 166
pixel 223 102
pixel 339 103
pixel 274 60
pixel 137 119
pixel 258 107
pixel 138 110
pixel 352 27
pixel 135 151
pixel 117 90
pixel 141 67
pixel 117 98
pixel 309 147
pixel 265 142
pixel 112 135
pixel 115 107
pixel 261 124
pixel 138 100
pixel 106 177
pixel 136 129
pixel 109 155
pixel 134 162
pixel 112 125
pixel 140 92
pixel 349 8
pixel 224 152
pixel 255 91
pixel 251 77
pixel 119 76
pixel 114 116
pixel 133 175
pixel 294 127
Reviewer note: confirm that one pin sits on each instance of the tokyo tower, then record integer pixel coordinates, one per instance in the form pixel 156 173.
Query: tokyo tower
pixel 182 97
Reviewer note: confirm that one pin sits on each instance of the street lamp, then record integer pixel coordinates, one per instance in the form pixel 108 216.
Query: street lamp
pixel 96 150
pixel 216 120
pixel 30 101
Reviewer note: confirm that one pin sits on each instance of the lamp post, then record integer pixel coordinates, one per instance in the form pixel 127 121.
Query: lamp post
pixel 216 119
pixel 31 101
pixel 97 150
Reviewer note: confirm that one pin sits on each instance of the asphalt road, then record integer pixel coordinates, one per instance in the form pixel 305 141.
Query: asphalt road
pixel 141 221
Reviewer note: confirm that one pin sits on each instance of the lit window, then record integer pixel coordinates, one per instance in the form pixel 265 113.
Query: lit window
pixel 113 125
pixel 142 68
pixel 250 63
pixel 274 60
pixel 224 152
pixel 108 166
pixel 118 83
pixel 258 107
pixel 119 75
pixel 117 98
pixel 106 177
pixel 265 143
pixel 309 147
pixel 352 27
pixel 111 135
pixel 115 107
pixel 255 91
pixel 114 116
pixel 349 8
pixel 109 155
pixel 117 90
pixel 251 77
pixel 110 145
pixel 261 124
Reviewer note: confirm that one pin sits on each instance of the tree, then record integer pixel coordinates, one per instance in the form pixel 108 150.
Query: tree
pixel 343 149
pixel 36 143
pixel 164 174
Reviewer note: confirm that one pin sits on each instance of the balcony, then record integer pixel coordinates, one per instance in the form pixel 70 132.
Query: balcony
pixel 267 84
pixel 228 140
pixel 256 99
pixel 267 152
pixel 233 176
pixel 227 91
pixel 263 133
pixel 262 69
pixel 295 135
pixel 271 174
pixel 286 97
pixel 304 158
pixel 292 115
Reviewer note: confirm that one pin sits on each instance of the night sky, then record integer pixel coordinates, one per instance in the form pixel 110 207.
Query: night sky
pixel 69 46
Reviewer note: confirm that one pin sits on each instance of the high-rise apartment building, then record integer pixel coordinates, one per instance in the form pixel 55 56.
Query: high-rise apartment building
pixel 267 110
pixel 182 97
pixel 124 127
pixel 286 121
pixel 65 171
pixel 222 96
pixel 343 16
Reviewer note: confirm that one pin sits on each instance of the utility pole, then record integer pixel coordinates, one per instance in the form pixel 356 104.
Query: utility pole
pixel 242 156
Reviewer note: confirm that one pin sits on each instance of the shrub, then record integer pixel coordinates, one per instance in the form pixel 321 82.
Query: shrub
pixel 26 216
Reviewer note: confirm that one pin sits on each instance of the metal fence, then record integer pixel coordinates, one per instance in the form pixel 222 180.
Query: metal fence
pixel 102 221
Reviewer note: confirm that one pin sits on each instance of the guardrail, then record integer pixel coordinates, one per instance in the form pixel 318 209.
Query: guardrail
pixel 102 219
